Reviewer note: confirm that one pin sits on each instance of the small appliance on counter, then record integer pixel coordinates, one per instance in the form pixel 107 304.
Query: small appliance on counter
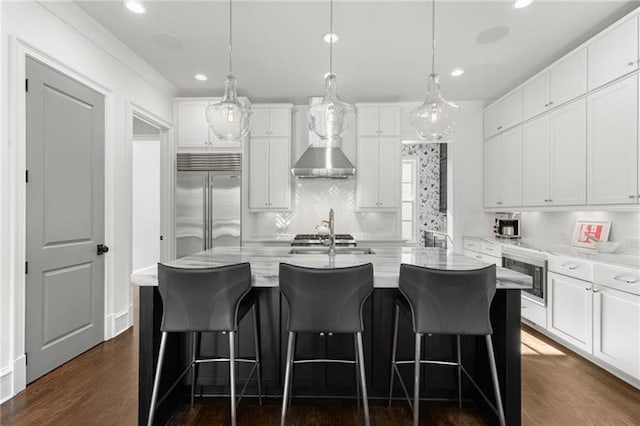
pixel 507 225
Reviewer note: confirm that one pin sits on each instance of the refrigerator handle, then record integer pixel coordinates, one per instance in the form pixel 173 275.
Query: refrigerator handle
pixel 210 208
pixel 205 211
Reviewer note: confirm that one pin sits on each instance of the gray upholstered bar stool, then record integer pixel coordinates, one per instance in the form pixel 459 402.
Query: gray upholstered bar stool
pixel 325 301
pixel 206 300
pixel 446 302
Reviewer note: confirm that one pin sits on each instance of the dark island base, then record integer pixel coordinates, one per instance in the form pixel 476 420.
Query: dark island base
pixel 438 382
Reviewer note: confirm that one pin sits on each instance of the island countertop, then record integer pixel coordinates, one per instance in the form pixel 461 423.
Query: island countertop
pixel 386 264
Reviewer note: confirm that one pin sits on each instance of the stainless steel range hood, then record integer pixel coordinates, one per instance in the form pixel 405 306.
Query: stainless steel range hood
pixel 323 162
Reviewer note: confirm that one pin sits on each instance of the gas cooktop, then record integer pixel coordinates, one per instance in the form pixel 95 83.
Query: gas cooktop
pixel 318 240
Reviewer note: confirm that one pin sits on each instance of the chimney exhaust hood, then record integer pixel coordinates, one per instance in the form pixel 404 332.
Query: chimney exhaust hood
pixel 323 159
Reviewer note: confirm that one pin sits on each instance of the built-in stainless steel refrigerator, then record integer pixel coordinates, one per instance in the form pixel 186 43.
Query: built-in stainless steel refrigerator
pixel 208 189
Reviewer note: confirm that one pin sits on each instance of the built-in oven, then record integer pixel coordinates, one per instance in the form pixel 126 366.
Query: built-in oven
pixel 532 265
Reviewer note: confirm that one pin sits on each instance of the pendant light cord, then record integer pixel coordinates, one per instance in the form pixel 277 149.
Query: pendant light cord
pixel 433 36
pixel 331 37
pixel 230 36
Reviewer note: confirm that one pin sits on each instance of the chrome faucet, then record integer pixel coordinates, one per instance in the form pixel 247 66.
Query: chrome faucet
pixel 332 234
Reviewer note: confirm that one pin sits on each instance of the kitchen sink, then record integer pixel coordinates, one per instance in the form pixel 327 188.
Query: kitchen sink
pixel 325 250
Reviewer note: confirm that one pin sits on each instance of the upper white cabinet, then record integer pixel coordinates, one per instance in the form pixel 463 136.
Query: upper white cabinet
pixel 503 115
pixel 613 144
pixel 502 166
pixel 554 157
pixel 563 82
pixel 192 129
pixel 379 120
pixel 270 157
pixel 614 54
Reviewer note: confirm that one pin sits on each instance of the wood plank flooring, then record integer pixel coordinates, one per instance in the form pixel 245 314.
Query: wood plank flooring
pixel 100 388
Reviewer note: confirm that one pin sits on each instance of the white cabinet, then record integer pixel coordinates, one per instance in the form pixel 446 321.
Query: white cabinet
pixel 613 144
pixel 483 250
pixel 270 158
pixel 568 79
pixel 614 54
pixel 616 329
pixel 570 310
pixel 533 312
pixel 554 157
pixel 502 170
pixel 378 173
pixel 192 129
pixel 503 115
pixel 535 96
pixel 379 120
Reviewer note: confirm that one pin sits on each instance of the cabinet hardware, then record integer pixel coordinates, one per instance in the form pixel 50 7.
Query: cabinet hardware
pixel 618 278
pixel 587 288
pixel 595 290
pixel 631 64
pixel 550 103
pixel 632 196
pixel 549 200
pixel 322 334
pixel 571 267
pixel 499 127
pixel 523 307
pixel 546 105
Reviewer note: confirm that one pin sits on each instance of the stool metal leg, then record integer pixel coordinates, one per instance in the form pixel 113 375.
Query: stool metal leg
pixel 393 352
pixel 156 381
pixel 496 384
pixel 355 347
pixel 232 375
pixel 363 379
pixel 458 350
pixel 194 343
pixel 288 379
pixel 256 337
pixel 416 382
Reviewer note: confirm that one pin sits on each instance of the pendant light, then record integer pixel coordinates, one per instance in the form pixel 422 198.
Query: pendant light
pixel 229 118
pixel 433 120
pixel 330 117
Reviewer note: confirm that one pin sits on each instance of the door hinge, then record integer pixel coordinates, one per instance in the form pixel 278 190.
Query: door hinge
pixel 26 85
pixel 26 268
pixel 26 359
pixel 26 176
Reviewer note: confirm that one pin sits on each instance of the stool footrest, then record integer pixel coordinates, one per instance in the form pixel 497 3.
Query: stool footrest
pixel 324 360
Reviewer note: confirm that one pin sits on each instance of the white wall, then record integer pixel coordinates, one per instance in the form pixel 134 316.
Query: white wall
pixel 65 36
pixel 465 213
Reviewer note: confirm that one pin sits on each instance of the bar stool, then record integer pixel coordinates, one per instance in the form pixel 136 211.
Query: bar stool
pixel 207 300
pixel 325 301
pixel 446 302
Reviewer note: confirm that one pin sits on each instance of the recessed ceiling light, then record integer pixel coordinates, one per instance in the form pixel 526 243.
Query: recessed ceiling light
pixel 519 4
pixel 457 72
pixel 200 77
pixel 331 37
pixel 135 7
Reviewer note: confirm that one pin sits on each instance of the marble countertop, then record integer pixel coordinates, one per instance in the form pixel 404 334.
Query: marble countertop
pixel 629 260
pixel 386 264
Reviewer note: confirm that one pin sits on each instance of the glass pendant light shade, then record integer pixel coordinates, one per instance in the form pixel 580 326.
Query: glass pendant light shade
pixel 229 119
pixel 331 117
pixel 434 119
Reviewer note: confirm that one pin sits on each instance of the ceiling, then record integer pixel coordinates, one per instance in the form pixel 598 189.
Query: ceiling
pixel 382 55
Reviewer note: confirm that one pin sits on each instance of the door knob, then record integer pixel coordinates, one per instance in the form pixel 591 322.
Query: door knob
pixel 102 249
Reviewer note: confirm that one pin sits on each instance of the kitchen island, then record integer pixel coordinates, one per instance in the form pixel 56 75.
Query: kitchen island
pixel 335 380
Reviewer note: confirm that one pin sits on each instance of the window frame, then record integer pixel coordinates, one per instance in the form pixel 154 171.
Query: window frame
pixel 413 201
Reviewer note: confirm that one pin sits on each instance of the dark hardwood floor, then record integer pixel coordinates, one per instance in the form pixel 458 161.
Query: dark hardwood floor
pixel 100 388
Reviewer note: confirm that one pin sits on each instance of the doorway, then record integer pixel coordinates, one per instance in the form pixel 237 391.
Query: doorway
pixel 65 218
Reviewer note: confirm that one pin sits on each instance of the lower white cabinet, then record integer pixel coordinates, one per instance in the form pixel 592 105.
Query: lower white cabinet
pixel 616 329
pixel 533 312
pixel 570 310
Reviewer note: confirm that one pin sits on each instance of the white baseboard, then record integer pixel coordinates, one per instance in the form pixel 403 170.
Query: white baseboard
pixel 6 384
pixel 123 320
pixel 13 380
pixel 108 327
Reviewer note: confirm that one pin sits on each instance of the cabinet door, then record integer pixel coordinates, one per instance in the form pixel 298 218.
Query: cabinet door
pixel 511 110
pixel 389 164
pixel 389 120
pixel 535 96
pixel 616 329
pixel 535 167
pixel 368 121
pixel 613 144
pixel 511 167
pixel 492 173
pixel 192 126
pixel 568 79
pixel 367 172
pixel 491 120
pixel 279 173
pixel 568 159
pixel 570 310
pixel 614 54
pixel 259 173
pixel 280 122
pixel 260 122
